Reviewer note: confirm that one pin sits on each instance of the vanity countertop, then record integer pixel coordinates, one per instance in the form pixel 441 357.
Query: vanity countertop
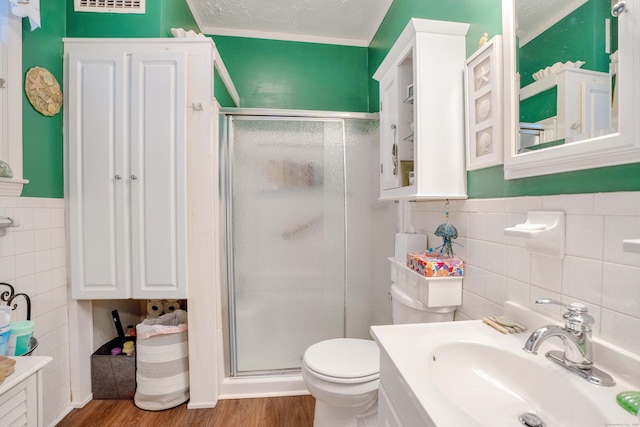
pixel 446 370
pixel 25 366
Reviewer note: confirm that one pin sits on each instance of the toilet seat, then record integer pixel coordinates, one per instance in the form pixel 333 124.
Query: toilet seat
pixel 343 360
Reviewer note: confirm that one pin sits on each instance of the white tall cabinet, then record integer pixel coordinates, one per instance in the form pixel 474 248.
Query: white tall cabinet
pixel 141 185
pixel 422 113
pixel 127 112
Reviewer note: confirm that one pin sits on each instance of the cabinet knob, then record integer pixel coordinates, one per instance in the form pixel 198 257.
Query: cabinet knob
pixel 133 177
pixel 117 177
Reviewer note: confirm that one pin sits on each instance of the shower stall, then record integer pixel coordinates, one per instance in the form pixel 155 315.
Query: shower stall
pixel 306 236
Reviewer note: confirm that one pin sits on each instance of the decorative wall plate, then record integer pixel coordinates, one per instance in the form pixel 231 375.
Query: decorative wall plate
pixel 43 91
pixel 484 106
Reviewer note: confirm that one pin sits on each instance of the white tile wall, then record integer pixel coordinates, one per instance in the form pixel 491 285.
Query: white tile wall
pixel 33 260
pixel 595 269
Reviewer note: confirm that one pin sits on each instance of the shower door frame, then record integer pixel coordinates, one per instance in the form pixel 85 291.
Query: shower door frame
pixel 232 351
pixel 231 384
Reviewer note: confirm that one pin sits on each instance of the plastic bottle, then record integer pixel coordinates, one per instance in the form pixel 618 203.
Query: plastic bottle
pixel 128 348
pixel 130 331
pixel 20 335
pixel 5 327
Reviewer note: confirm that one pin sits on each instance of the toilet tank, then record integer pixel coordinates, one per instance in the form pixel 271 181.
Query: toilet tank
pixel 406 309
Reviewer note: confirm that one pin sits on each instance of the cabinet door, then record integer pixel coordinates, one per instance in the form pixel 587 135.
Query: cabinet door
pixel 158 175
pixel 387 416
pixel 96 185
pixel 583 105
pixel 389 155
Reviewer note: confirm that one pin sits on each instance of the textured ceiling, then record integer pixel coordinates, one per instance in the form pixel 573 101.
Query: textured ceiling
pixel 347 22
pixel 535 16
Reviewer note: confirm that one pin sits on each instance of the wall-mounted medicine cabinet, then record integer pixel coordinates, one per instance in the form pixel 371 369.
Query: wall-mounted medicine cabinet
pixel 422 113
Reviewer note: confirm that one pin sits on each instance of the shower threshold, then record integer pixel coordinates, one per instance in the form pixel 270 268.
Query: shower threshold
pixel 263 385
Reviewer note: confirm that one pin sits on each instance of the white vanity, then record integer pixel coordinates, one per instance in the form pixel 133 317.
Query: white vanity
pixel 468 374
pixel 21 393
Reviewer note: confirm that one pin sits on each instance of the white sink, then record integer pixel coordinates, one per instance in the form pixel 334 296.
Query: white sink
pixel 468 374
pixel 494 386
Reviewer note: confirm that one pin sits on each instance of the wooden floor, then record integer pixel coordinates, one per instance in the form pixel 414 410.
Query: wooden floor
pixel 295 411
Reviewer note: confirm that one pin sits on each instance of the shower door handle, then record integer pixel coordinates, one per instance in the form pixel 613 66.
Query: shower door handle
pixel 394 149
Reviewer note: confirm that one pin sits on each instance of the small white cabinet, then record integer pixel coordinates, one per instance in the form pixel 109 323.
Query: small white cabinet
pixel 422 113
pixel 128 105
pixel 21 393
pixel 582 105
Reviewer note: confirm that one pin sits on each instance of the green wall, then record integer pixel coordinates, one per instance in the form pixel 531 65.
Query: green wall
pixel 484 16
pixel 292 75
pixel 176 14
pixel 221 93
pixel 278 74
pixel 91 24
pixel 489 183
pixel 42 135
pixel 159 17
pixel 579 36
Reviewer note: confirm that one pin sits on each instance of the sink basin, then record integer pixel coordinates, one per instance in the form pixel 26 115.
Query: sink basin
pixel 493 386
pixel 467 374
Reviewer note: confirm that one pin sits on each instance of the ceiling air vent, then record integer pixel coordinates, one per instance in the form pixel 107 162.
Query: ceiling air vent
pixel 109 6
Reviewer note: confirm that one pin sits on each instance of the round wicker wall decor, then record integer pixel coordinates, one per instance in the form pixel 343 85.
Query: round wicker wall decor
pixel 43 91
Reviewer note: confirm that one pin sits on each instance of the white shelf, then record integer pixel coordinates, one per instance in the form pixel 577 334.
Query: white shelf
pixel 432 291
pixel 552 80
pixel 544 232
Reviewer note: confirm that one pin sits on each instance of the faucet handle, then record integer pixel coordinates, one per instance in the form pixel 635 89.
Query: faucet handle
pixel 574 307
pixel 576 318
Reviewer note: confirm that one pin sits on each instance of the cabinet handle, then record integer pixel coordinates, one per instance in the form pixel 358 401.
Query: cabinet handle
pixel 117 177
pixel 133 177
pixel 394 149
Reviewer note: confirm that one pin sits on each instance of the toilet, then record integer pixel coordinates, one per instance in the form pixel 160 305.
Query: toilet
pixel 343 373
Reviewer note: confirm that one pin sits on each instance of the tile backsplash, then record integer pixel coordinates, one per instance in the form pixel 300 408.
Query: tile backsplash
pixel 33 260
pixel 595 269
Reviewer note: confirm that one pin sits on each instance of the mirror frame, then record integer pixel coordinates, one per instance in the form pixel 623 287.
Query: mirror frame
pixel 11 113
pixel 618 148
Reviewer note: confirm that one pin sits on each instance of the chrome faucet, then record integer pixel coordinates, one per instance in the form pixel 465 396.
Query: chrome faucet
pixel 576 338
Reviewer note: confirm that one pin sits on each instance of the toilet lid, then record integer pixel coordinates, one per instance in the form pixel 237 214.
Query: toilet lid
pixel 344 358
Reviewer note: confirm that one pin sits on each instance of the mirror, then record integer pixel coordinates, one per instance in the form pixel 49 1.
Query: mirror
pixel 10 97
pixel 565 62
pixel 566 65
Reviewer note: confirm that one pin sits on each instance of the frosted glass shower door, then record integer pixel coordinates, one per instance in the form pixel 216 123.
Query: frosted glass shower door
pixel 288 239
